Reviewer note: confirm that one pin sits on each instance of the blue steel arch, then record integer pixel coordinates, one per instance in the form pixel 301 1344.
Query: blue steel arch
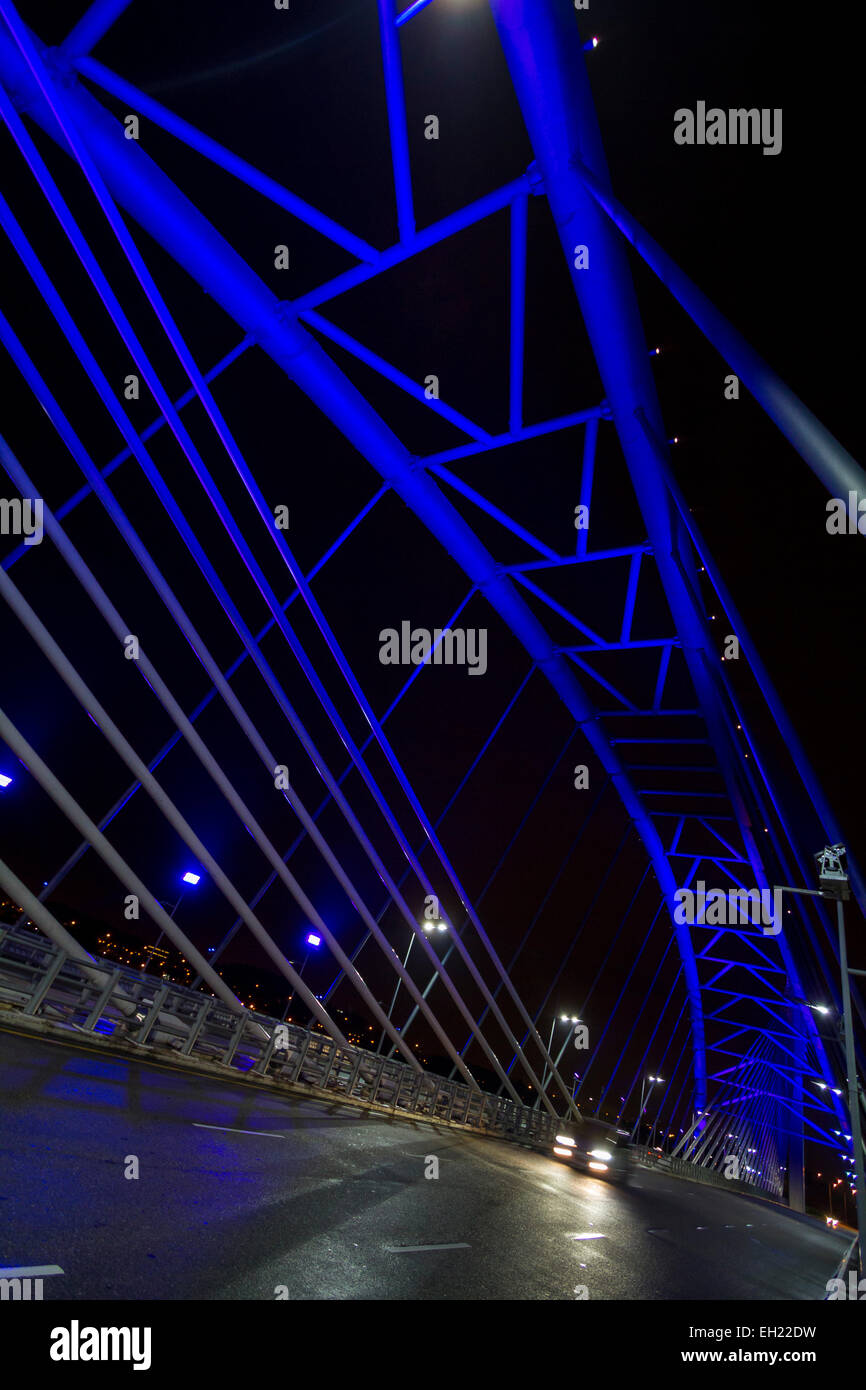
pixel 543 50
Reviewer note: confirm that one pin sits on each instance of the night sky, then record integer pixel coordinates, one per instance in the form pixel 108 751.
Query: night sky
pixel 774 243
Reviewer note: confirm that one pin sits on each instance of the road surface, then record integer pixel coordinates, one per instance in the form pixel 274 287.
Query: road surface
pixel 244 1195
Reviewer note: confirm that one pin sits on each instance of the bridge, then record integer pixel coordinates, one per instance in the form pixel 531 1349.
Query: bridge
pixel 417 669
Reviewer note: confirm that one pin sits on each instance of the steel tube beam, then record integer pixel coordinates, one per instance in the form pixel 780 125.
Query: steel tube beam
pixel 175 223
pixel 517 273
pixel 392 374
pixel 48 924
pixel 93 24
pixel 50 648
pixel 396 105
pixel 99 485
pixel 829 461
pixel 64 116
pixel 130 880
pixel 233 164
pixel 124 454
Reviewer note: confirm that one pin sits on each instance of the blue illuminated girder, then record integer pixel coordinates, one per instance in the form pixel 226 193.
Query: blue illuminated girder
pixel 648 747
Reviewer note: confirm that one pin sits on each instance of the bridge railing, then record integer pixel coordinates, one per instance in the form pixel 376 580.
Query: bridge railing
pixel 698 1172
pixel 101 997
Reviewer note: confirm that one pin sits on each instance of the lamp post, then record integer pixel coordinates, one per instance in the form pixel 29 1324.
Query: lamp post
pixel 189 878
pixel 833 881
pixel 546 1075
pixel 652 1081
pixel 312 941
pixel 429 928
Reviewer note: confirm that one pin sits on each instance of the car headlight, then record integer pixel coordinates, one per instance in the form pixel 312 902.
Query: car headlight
pixel 599 1153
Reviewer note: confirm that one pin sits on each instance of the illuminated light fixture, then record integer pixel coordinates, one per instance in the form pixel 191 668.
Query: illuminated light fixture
pixel 591 43
pixel 563 1153
pixel 192 878
pixel 5 780
pixel 820 1008
pixel 655 352
pixel 599 1153
pixel 313 939
pixel 598 1167
pixel 564 1139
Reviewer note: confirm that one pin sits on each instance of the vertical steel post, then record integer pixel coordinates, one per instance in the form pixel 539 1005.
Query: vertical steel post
pixel 795 1159
pixel 853 1089
pixel 519 210
pixel 396 104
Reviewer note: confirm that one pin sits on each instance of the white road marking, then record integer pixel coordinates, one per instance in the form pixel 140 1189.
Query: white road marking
pixel 402 1249
pixel 29 1271
pixel 264 1133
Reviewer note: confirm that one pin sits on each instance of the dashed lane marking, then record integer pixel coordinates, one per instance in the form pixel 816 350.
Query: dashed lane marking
pixel 407 1249
pixel 228 1129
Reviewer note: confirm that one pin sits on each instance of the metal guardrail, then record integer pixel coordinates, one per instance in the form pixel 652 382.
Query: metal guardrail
pixel 683 1168
pixel 104 998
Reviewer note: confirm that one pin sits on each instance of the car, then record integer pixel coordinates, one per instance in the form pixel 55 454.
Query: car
pixel 596 1148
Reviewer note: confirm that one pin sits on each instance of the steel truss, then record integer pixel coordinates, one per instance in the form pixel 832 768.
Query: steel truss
pixel 691 778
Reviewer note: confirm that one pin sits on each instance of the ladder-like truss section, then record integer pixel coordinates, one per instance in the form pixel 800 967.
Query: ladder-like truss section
pixel 724 1004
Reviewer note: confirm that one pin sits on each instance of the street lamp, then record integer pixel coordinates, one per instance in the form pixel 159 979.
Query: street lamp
pixel 653 1080
pixel 833 884
pixel 312 941
pixel 189 878
pixel 429 928
pixel 547 1074
pixel 5 780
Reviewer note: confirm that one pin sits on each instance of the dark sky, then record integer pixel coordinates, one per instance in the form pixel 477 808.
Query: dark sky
pixel 772 241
